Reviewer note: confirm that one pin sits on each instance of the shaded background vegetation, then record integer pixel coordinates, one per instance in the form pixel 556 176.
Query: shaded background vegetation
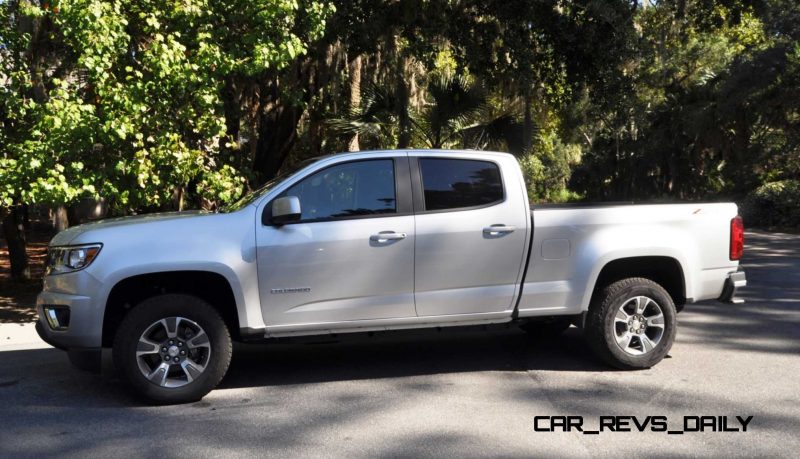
pixel 138 106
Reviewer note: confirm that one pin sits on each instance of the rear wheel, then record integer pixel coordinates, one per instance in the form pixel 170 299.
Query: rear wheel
pixel 172 348
pixel 631 323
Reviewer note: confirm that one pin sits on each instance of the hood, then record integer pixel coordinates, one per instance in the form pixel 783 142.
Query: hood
pixel 70 234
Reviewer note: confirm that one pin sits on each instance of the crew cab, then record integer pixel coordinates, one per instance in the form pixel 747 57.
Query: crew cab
pixel 379 240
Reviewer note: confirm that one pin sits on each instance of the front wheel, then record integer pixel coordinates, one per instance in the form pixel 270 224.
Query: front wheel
pixel 172 349
pixel 631 323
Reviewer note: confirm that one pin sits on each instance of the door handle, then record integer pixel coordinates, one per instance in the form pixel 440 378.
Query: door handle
pixel 385 236
pixel 496 230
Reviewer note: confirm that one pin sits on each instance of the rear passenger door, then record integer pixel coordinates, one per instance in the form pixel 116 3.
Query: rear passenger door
pixel 471 233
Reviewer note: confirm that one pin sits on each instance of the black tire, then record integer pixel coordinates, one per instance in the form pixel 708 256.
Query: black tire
pixel 150 311
pixel 601 329
pixel 546 327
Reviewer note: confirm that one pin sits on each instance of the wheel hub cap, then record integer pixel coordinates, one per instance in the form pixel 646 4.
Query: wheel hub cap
pixel 639 325
pixel 173 352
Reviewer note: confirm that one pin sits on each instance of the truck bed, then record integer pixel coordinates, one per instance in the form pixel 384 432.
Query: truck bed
pixel 572 243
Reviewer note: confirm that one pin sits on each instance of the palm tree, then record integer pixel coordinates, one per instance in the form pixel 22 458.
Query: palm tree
pixel 455 103
pixel 458 113
pixel 375 121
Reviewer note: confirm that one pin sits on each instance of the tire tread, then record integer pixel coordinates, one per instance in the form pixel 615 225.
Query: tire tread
pixel 594 330
pixel 172 304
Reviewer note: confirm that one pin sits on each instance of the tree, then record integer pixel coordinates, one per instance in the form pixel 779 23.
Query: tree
pixel 676 127
pixel 124 99
pixel 159 105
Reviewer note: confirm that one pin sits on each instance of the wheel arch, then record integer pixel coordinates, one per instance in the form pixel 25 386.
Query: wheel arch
pixel 666 271
pixel 130 291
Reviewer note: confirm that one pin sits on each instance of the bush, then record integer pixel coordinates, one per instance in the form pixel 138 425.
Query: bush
pixel 547 169
pixel 773 204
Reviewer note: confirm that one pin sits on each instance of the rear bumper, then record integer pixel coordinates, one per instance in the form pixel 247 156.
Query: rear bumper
pixel 734 282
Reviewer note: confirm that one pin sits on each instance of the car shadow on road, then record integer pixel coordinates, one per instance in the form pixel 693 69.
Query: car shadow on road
pixel 407 353
pixel 767 324
pixel 394 354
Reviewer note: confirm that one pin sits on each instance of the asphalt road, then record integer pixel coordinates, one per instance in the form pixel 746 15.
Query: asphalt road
pixel 435 394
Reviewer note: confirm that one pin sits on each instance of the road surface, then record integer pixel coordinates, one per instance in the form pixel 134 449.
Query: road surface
pixel 463 393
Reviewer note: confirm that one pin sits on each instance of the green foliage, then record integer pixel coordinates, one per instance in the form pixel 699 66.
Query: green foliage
pixel 135 113
pixel 454 105
pixel 155 102
pixel 710 108
pixel 773 204
pixel 548 168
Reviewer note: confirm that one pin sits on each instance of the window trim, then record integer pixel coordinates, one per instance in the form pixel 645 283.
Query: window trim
pixel 418 189
pixel 402 192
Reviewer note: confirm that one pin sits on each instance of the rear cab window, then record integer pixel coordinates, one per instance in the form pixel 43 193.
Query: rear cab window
pixel 459 183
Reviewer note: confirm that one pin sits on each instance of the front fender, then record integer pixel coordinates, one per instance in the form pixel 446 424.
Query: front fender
pixel 248 316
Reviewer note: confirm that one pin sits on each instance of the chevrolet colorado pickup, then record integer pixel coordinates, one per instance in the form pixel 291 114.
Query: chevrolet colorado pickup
pixel 373 241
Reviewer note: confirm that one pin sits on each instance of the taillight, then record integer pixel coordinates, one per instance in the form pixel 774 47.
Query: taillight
pixel 737 238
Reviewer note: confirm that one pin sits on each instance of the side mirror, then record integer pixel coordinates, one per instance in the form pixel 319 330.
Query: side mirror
pixel 285 210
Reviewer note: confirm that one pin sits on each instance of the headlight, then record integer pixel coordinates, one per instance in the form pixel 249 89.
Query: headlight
pixel 68 259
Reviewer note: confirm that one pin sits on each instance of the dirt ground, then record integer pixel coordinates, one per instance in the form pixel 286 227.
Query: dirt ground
pixel 18 297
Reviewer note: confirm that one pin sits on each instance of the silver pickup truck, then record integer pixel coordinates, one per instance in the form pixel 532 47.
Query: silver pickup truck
pixel 379 240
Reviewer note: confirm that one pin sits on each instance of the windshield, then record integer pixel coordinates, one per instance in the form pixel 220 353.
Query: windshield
pixel 249 198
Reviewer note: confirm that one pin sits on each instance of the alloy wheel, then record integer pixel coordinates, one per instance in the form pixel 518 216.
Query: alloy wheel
pixel 639 325
pixel 173 352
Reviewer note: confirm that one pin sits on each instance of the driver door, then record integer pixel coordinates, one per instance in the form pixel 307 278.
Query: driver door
pixel 350 256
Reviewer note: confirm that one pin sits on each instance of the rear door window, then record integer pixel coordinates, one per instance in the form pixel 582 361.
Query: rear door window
pixel 460 183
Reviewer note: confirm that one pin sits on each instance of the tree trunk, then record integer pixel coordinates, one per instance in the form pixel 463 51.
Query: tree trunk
pixel 25 210
pixel 60 218
pixel 277 134
pixel 14 232
pixel 741 144
pixel 527 130
pixel 279 116
pixel 177 198
pixel 231 103
pixel 355 98
pixel 404 120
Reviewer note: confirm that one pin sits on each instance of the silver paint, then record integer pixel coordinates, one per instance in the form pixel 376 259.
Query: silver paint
pixel 393 271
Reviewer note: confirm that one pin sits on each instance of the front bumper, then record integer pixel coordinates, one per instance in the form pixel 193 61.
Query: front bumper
pixel 40 330
pixel 734 282
pixel 79 321
pixel 81 337
pixel 85 324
